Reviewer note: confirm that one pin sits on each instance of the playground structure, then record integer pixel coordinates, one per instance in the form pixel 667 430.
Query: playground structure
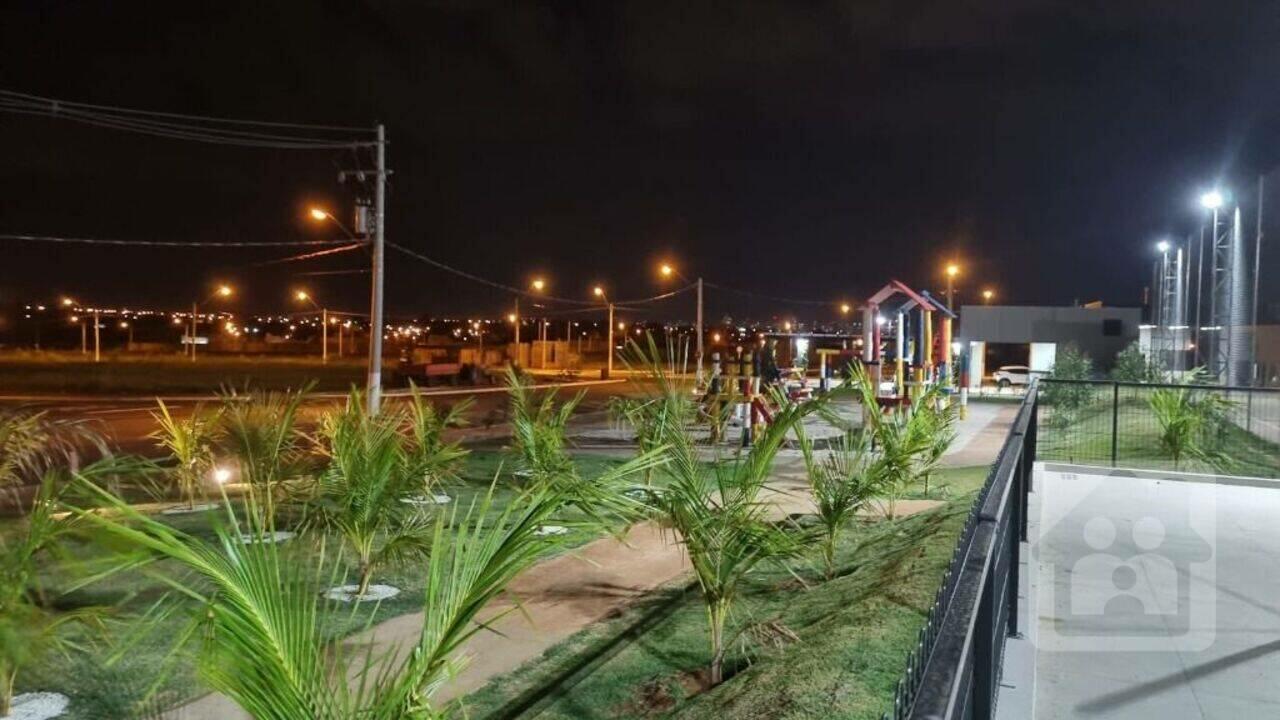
pixel 918 346
pixel 920 350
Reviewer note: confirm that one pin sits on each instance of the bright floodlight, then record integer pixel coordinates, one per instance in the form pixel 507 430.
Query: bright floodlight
pixel 318 214
pixel 302 295
pixel 1163 246
pixel 953 270
pixel 666 270
pixel 539 284
pixel 225 291
pixel 599 291
pixel 1211 200
pixel 221 475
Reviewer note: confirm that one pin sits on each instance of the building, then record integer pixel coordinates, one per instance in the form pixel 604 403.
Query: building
pixel 996 335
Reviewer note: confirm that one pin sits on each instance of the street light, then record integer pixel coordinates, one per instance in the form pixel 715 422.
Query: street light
pixel 987 295
pixel 1163 246
pixel 845 308
pixel 304 296
pixel 599 292
pixel 320 215
pixel 223 291
pixel 538 285
pixel 667 270
pixel 1212 200
pixel 68 302
pixel 952 271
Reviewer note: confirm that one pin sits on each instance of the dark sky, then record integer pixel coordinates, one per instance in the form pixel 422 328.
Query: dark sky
pixel 800 149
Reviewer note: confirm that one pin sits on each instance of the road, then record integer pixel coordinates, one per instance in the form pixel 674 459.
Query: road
pixel 126 422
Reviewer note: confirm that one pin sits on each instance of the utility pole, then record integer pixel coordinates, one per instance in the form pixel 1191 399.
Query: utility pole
pixel 1257 263
pixel 97 354
pixel 374 382
pixel 339 340
pixel 324 335
pixel 609 363
pixel 84 338
pixel 698 379
pixel 517 324
pixel 191 340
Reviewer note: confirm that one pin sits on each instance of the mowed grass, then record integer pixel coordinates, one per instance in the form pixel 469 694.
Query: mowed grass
pixel 69 373
pixel 1085 437
pixel 854 634
pixel 104 686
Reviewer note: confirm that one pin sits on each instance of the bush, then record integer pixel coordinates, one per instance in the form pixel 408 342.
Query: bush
pixel 1133 366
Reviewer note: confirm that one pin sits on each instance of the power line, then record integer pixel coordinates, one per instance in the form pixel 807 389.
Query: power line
pixel 172 243
pixel 124 119
pixel 526 293
pixel 762 296
pixel 308 256
pixel 181 116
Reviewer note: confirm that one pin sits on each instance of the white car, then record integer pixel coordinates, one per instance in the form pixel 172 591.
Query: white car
pixel 1008 375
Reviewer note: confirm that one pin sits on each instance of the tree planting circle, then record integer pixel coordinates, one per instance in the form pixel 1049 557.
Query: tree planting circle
pixel 38 706
pixel 189 509
pixel 347 593
pixel 278 536
pixel 434 499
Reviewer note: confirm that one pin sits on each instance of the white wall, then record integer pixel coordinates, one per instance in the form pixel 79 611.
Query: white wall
pixel 977 364
pixel 1043 356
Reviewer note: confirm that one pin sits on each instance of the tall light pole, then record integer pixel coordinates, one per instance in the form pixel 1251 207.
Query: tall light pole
pixel 608 368
pixel 952 271
pixel 539 285
pixel 97 346
pixel 222 291
pixel 305 296
pixel 667 271
pixel 1213 201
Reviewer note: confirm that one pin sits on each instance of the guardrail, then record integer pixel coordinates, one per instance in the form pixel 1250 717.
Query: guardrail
pixel 954 670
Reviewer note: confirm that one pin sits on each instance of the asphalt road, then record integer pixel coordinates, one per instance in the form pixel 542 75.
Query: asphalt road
pixel 127 422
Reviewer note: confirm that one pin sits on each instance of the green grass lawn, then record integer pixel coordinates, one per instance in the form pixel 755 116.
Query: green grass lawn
pixel 854 634
pixel 101 689
pixel 145 374
pixel 1085 437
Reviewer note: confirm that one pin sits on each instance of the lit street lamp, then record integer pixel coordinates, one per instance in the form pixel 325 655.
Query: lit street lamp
pixel 223 291
pixel 667 271
pixel 304 296
pixel 952 271
pixel 986 296
pixel 539 285
pixel 598 291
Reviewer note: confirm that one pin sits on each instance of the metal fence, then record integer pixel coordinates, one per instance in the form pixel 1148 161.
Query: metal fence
pixel 1189 428
pixel 954 670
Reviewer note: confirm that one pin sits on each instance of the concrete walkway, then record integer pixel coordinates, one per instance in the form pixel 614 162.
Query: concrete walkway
pixel 1157 597
pixel 567 593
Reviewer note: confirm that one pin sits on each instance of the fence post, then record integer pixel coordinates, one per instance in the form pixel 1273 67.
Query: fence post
pixel 1115 419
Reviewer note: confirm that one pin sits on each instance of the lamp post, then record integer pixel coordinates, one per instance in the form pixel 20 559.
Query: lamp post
pixel 222 291
pixel 667 271
pixel 539 285
pixel 305 296
pixel 608 367
pixel 1211 201
pixel 952 271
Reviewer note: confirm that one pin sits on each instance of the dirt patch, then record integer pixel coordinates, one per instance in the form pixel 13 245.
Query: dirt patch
pixel 657 696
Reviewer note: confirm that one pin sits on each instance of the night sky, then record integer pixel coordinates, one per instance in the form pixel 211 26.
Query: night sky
pixel 804 149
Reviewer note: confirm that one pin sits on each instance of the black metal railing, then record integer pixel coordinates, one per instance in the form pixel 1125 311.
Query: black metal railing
pixel 1190 428
pixel 954 670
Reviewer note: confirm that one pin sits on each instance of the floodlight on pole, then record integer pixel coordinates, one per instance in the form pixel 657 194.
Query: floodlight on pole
pixel 1212 200
pixel 1163 246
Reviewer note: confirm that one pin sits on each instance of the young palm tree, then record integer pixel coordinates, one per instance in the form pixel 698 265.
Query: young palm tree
pixel 842 483
pixel 259 430
pixel 1183 420
pixel 372 469
pixel 935 423
pixel 264 646
pixel 190 444
pixel 434 460
pixel 715 509
pixel 31 444
pixel 30 627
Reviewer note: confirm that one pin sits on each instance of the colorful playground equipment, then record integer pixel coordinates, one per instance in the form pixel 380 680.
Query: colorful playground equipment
pixel 910 317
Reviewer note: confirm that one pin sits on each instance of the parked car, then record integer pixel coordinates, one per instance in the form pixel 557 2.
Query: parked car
pixel 1007 375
